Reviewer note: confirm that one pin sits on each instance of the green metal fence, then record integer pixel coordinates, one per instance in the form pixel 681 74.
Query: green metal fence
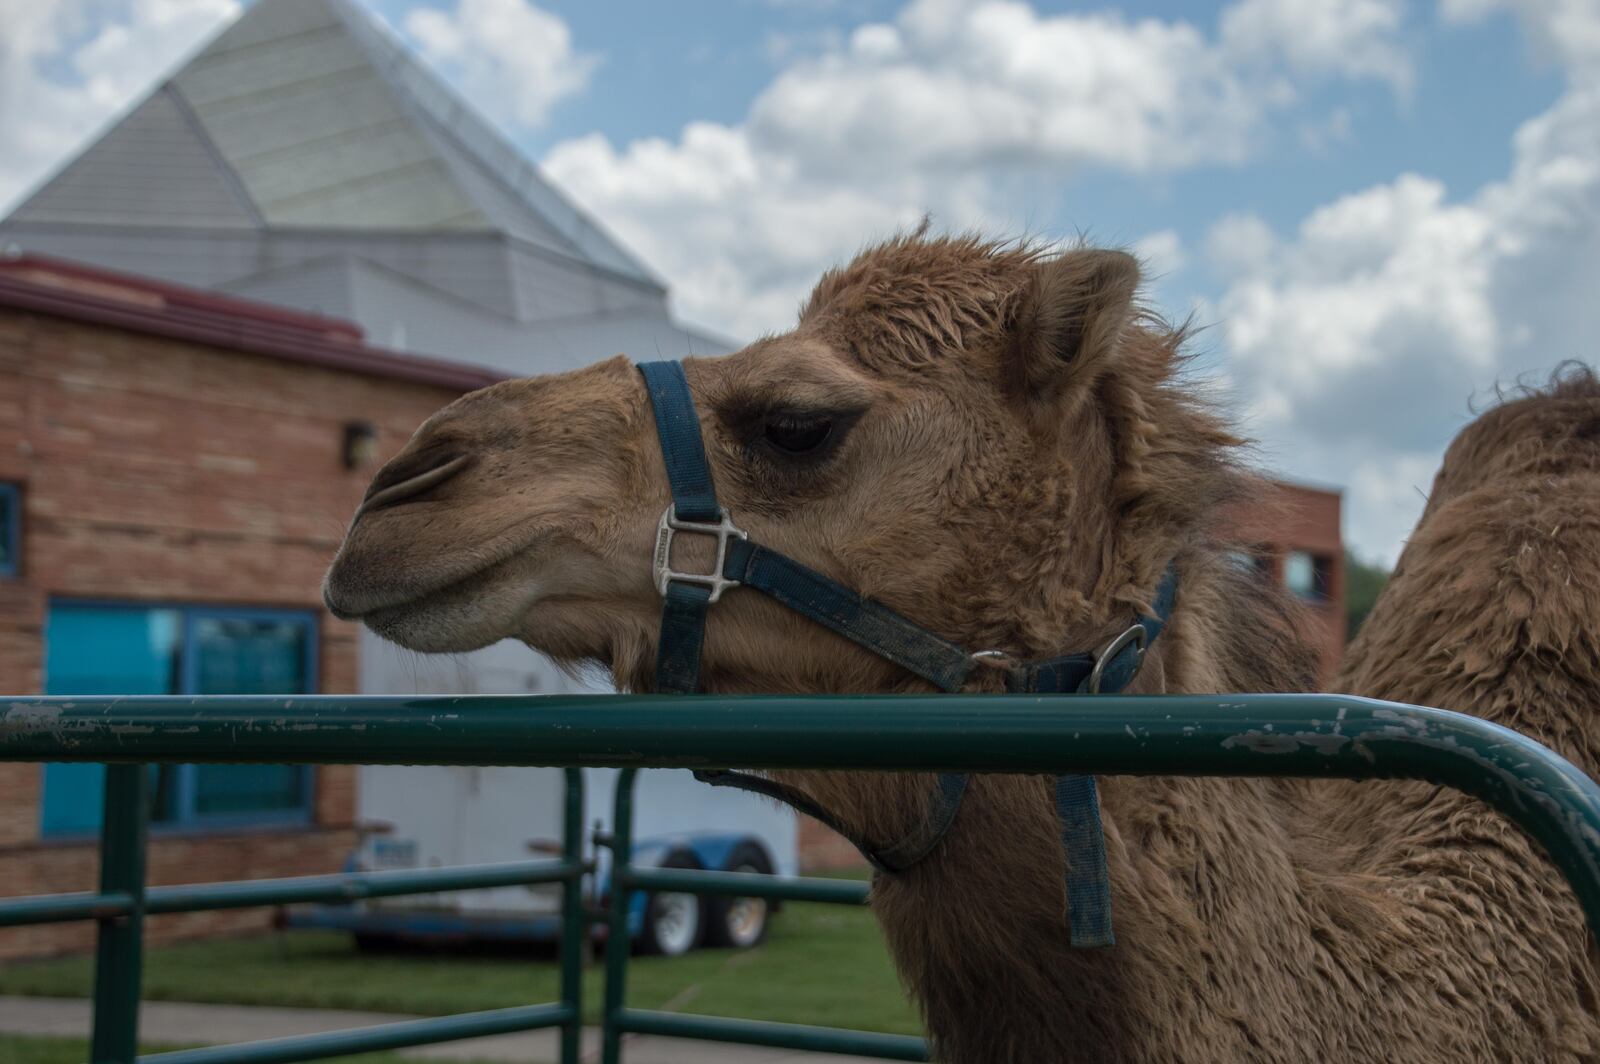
pixel 1240 735
pixel 122 902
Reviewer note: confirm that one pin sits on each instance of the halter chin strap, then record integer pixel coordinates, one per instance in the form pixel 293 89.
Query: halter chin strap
pixel 686 598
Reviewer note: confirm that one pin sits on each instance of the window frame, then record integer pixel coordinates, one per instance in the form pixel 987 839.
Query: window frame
pixel 1321 590
pixel 11 529
pixel 186 782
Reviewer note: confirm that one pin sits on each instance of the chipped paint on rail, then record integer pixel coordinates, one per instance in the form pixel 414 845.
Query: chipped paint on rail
pixel 1269 742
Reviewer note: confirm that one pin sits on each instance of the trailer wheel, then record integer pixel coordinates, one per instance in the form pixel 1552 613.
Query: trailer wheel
pixel 740 923
pixel 370 942
pixel 673 923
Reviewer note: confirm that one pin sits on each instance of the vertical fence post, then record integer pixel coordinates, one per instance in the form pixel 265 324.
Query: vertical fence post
pixel 120 951
pixel 618 940
pixel 574 920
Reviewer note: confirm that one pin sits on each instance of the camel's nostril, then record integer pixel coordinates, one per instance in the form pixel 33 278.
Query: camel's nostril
pixel 407 466
pixel 411 475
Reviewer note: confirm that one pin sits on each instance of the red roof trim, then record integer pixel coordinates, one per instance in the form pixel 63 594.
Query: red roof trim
pixel 180 295
pixel 223 321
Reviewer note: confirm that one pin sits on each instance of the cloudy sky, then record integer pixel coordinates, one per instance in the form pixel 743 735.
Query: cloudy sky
pixel 1377 208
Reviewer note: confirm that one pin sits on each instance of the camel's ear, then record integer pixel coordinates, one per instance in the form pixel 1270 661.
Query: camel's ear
pixel 1070 317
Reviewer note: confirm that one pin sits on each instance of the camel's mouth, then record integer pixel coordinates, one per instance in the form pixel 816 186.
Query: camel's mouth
pixel 466 613
pixel 367 607
pixel 383 578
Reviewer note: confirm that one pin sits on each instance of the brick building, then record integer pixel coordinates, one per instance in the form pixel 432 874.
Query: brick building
pixel 1294 538
pixel 304 157
pixel 176 469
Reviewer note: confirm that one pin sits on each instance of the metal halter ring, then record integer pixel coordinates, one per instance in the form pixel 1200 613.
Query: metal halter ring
pixel 1134 635
pixel 669 525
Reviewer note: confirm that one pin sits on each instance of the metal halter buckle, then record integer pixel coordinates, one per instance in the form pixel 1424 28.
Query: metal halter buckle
pixel 724 530
pixel 994 659
pixel 1135 634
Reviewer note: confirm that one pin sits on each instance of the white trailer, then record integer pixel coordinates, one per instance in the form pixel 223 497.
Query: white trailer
pixel 430 816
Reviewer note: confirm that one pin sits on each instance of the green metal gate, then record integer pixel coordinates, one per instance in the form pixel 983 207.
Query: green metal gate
pixel 1237 735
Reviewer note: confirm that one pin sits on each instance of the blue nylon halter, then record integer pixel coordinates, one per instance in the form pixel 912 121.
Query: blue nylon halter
pixel 687 597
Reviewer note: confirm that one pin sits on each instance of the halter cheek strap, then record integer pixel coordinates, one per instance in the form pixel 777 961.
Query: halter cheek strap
pixel 687 596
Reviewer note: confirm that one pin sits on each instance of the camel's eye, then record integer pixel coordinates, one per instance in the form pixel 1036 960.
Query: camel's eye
pixel 789 439
pixel 798 434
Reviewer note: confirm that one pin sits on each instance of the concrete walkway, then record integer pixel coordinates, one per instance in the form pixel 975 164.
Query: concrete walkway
pixel 179 1023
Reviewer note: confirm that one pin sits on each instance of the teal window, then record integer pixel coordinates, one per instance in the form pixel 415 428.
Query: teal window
pixel 110 648
pixel 10 531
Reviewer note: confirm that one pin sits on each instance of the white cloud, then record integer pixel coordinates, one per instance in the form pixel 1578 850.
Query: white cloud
pixel 1387 496
pixel 1346 38
pixel 1161 253
pixel 1239 243
pixel 936 111
pixel 1358 342
pixel 783 47
pixel 513 58
pixel 1373 313
pixel 1331 132
pixel 955 85
pixel 740 233
pixel 1566 31
pixel 67 66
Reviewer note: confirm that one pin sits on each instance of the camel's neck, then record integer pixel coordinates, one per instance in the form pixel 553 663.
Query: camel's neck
pixel 1227 633
pixel 989 902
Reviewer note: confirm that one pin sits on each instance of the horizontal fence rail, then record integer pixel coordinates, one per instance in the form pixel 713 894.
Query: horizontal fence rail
pixel 335 889
pixel 1235 735
pixel 746 885
pixel 1155 735
pixel 381 1036
pixel 777 1035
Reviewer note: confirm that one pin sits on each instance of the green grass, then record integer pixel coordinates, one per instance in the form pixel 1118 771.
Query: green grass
pixel 25 1050
pixel 821 964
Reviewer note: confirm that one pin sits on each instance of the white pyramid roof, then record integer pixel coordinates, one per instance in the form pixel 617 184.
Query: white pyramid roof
pixel 305 158
pixel 309 114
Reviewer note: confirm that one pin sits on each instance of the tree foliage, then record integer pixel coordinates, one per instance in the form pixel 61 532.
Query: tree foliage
pixel 1362 582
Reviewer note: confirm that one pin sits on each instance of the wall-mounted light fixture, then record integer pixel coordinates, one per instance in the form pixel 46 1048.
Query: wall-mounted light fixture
pixel 360 444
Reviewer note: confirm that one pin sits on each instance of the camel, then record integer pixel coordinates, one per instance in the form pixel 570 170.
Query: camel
pixel 1491 610
pixel 998 443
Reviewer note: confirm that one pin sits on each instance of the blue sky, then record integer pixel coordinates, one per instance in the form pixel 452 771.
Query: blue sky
pixel 1378 209
pixel 665 65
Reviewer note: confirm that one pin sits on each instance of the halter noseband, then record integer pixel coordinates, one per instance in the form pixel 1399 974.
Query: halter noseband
pixel 686 598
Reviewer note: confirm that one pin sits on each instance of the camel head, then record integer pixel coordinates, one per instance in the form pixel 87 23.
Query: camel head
pixel 961 430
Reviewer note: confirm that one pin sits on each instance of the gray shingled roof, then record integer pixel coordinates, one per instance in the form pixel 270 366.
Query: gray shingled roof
pixel 309 114
pixel 305 157
pixel 155 167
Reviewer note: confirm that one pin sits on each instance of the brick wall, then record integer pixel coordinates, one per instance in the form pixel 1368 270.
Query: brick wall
pixel 156 470
pixel 1296 517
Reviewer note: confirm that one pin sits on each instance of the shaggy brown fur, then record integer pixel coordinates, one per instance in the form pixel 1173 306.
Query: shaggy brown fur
pixel 1013 463
pixel 1493 610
